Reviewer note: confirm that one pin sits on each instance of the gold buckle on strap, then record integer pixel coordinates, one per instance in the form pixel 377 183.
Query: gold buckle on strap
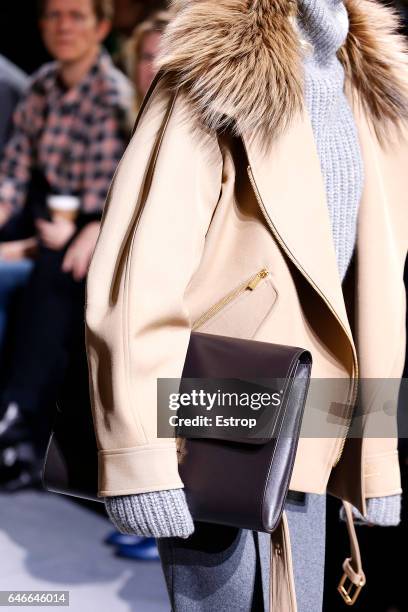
pixel 347 592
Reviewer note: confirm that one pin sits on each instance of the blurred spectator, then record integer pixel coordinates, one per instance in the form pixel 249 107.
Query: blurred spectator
pixel 141 50
pixel 128 15
pixel 70 131
pixel 13 83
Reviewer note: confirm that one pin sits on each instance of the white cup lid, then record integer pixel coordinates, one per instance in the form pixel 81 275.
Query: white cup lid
pixel 63 202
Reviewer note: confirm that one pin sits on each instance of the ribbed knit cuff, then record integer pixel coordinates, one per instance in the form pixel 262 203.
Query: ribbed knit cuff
pixel 161 514
pixel 381 511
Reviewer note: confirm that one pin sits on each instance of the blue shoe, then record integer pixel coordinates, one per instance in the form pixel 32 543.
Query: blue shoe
pixel 116 538
pixel 144 551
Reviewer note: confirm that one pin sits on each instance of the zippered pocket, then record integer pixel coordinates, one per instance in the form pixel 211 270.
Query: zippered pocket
pixel 240 312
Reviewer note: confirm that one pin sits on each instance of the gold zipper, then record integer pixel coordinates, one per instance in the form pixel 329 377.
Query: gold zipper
pixel 250 284
pixel 354 380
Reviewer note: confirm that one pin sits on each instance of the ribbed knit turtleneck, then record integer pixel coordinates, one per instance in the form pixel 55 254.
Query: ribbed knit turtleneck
pixel 324 24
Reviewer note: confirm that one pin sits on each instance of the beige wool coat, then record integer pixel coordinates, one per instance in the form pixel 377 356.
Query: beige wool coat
pixel 220 185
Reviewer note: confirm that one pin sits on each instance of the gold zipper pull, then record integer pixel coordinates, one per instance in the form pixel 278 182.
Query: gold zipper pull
pixel 253 282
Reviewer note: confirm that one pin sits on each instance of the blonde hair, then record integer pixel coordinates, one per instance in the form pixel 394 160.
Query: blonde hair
pixel 157 22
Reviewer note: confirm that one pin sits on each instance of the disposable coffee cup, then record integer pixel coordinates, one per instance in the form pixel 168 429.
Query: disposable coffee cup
pixel 63 206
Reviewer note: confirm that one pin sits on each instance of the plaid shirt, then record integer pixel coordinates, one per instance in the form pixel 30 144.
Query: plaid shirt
pixel 75 137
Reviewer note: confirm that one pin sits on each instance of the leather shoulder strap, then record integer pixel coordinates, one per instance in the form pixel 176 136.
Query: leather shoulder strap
pixel 353 578
pixel 282 594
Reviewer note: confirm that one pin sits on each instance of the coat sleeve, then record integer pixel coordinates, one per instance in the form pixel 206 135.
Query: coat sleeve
pixel 137 324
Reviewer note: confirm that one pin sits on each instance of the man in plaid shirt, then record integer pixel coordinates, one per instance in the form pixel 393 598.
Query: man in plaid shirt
pixel 74 136
pixel 73 132
pixel 70 131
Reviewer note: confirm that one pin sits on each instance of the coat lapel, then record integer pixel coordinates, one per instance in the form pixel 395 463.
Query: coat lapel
pixel 290 184
pixel 239 65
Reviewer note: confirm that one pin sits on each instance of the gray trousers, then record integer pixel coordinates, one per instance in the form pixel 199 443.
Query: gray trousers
pixel 219 569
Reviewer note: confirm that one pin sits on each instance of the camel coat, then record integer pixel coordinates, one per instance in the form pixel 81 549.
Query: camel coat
pixel 220 183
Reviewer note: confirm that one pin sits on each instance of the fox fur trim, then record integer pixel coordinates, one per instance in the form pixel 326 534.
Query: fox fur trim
pixel 236 59
pixel 376 63
pixel 239 62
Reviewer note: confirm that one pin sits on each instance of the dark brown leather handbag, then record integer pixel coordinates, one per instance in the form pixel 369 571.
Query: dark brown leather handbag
pixel 230 477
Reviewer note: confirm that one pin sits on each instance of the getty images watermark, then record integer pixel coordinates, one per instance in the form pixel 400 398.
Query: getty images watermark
pixel 336 407
pixel 217 401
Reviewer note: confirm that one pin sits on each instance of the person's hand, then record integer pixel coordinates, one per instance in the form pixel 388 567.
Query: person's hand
pixel 55 234
pixel 15 250
pixel 78 256
pixel 5 213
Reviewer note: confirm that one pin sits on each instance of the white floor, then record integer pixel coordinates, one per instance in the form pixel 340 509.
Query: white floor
pixel 48 542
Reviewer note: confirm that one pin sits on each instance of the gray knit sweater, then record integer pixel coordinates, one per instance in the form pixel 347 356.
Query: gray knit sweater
pixel 324 24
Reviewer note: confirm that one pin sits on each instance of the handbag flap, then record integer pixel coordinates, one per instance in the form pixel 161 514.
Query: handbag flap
pixel 243 371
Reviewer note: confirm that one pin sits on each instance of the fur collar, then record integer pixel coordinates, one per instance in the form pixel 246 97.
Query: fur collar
pixel 239 62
